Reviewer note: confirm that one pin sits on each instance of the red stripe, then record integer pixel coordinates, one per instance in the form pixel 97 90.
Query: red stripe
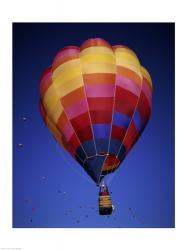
pixel 81 121
pixel 144 108
pixel 120 46
pixel 131 137
pixel 74 142
pixel 111 159
pixel 84 134
pixel 102 117
pixel 117 132
pixel 104 104
pixel 45 81
pixel 125 101
pixel 42 111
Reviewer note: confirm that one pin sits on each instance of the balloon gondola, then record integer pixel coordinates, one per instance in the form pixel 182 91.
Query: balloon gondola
pixel 105 202
pixel 96 101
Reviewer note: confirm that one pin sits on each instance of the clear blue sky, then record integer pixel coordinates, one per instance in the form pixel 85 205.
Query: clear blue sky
pixel 49 188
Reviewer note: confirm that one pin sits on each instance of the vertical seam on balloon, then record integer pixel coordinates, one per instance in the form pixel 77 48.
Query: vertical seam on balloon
pixel 129 125
pixel 111 119
pixel 74 169
pixel 70 122
pixel 88 106
pixel 60 133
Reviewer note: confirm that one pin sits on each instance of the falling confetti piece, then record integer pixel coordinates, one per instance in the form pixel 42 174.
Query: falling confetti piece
pixel 20 145
pixel 33 209
pixel 44 178
pixel 24 118
pixel 135 216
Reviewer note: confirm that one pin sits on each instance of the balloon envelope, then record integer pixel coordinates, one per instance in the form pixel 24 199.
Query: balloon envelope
pixel 96 101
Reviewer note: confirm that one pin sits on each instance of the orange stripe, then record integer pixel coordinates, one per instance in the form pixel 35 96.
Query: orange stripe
pixel 73 97
pixel 148 84
pixel 111 163
pixel 100 78
pixel 62 121
pixel 129 74
pixel 107 167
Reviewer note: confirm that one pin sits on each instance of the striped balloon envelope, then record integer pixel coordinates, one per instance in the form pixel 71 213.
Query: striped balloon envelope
pixel 96 101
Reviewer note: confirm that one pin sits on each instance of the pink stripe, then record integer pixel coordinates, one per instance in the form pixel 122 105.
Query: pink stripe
pixel 66 52
pixel 130 85
pixel 76 109
pixel 67 131
pixel 146 90
pixel 45 80
pixel 100 90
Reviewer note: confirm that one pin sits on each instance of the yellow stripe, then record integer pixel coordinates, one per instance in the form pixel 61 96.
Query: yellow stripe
pixel 54 131
pixel 98 68
pixel 105 200
pixel 50 98
pixel 69 86
pixel 128 61
pixel 67 68
pixel 127 57
pixel 96 50
pixel 108 205
pixel 109 167
pixel 126 50
pixel 102 201
pixel 105 204
pixel 67 75
pixel 104 197
pixel 52 104
pixel 98 58
pixel 146 74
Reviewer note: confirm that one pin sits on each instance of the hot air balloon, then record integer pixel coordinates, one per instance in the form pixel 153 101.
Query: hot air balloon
pixel 96 101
